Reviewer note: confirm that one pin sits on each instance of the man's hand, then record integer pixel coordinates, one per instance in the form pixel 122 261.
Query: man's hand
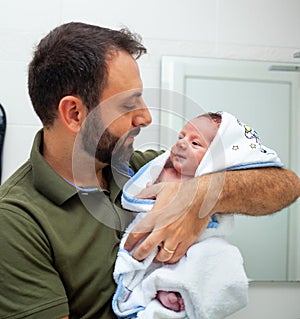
pixel 173 223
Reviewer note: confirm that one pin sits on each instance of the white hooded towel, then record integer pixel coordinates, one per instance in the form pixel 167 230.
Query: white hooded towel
pixel 210 277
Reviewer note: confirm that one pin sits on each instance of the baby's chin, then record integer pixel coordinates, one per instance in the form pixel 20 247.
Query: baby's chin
pixel 186 173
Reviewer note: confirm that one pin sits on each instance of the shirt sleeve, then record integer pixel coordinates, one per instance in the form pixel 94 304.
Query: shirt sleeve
pixel 29 284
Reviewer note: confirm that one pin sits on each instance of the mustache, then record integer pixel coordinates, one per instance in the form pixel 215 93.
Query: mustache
pixel 119 141
pixel 134 132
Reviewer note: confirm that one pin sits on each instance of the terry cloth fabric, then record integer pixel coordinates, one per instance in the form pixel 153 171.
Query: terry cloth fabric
pixel 211 276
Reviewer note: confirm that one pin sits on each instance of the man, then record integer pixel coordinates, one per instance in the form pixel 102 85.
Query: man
pixel 60 215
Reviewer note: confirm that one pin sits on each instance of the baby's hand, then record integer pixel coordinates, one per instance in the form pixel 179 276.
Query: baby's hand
pixel 141 195
pixel 149 184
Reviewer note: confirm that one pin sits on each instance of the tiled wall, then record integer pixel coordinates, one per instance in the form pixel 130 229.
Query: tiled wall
pixel 248 29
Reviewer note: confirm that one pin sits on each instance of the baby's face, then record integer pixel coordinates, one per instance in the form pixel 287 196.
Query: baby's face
pixel 193 142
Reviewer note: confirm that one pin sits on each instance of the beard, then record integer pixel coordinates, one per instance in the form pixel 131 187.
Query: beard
pixel 105 146
pixel 113 150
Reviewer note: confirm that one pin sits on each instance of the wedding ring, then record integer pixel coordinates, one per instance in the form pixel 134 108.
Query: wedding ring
pixel 168 250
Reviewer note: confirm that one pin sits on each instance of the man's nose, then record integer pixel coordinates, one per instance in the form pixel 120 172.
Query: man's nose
pixel 142 117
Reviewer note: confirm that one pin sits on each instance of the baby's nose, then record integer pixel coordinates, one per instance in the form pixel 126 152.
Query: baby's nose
pixel 182 143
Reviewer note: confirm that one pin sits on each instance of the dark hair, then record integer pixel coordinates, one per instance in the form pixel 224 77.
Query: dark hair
pixel 72 60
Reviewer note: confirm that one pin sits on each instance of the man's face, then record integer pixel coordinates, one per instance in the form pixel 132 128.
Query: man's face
pixel 111 127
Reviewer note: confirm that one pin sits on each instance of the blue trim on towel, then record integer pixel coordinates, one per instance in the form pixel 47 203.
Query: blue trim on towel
pixel 138 200
pixel 213 222
pixel 132 313
pixel 255 165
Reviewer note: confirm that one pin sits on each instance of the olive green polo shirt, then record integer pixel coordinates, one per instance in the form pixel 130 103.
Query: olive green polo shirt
pixel 59 243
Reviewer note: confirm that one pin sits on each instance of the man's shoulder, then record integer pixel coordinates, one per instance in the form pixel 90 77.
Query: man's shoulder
pixel 17 193
pixel 19 178
pixel 140 158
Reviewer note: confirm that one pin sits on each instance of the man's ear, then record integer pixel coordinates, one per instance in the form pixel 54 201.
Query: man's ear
pixel 72 112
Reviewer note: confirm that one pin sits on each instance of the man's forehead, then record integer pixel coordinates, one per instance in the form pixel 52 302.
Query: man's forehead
pixel 123 77
pixel 123 97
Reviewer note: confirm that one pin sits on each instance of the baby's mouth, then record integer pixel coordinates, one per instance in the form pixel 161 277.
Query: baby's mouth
pixel 178 155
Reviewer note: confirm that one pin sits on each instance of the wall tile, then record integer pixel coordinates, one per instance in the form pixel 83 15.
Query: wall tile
pixel 23 24
pixel 17 146
pixel 191 19
pixel 29 15
pixel 14 96
pixel 271 300
pixel 256 22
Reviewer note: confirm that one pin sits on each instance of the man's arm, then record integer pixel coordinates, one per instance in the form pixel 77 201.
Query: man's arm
pixel 182 210
pixel 258 191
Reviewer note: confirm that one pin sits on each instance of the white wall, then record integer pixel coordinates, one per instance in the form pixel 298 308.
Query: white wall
pixel 248 29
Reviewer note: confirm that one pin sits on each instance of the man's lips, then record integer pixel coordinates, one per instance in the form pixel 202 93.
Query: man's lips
pixel 132 134
pixel 130 138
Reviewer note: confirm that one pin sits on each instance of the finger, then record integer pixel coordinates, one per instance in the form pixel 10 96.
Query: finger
pixel 150 223
pixel 139 231
pixel 185 244
pixel 150 192
pixel 165 253
pixel 178 254
pixel 133 239
pixel 148 245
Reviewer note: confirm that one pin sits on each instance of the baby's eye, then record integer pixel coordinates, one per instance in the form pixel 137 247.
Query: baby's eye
pixel 196 143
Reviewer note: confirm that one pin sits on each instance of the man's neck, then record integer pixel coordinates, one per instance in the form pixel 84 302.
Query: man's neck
pixel 81 170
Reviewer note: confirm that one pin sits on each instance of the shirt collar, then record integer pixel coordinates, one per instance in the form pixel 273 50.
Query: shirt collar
pixel 45 179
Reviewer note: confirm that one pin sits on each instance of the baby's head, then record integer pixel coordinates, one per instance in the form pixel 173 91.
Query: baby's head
pixel 193 142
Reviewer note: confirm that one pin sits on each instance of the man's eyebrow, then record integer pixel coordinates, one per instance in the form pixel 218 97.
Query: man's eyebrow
pixel 136 94
pixel 129 96
pixel 133 94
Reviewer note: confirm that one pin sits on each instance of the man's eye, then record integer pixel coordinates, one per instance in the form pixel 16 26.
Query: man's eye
pixel 129 107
